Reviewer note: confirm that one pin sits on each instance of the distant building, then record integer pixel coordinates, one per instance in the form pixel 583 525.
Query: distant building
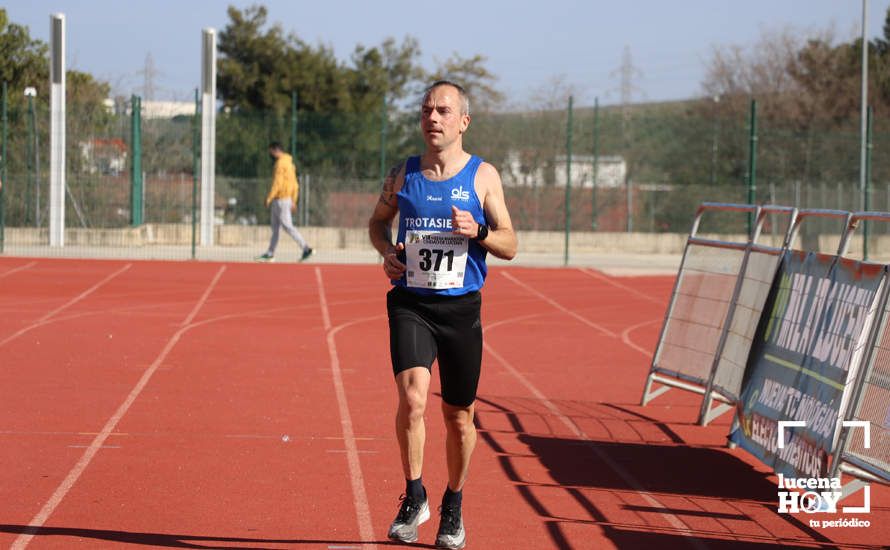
pixel 104 155
pixel 611 171
pixel 162 109
pixel 167 109
pixel 513 173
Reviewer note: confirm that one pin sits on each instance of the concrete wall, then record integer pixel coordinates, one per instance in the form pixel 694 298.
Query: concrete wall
pixel 332 238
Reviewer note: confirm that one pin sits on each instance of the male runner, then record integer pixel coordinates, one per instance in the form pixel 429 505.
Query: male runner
pixel 451 214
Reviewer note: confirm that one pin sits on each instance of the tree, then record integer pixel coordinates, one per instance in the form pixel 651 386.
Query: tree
pixel 260 67
pixel 345 129
pixel 808 103
pixel 474 77
pixel 389 69
pixel 23 60
pixel 735 74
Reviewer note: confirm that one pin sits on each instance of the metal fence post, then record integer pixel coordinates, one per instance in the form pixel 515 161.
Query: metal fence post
pixel 752 161
pixel 293 125
pixel 568 211
pixel 596 158
pixel 383 139
pixel 629 204
pixel 31 205
pixel 136 189
pixel 196 167
pixel 3 164
pixel 866 196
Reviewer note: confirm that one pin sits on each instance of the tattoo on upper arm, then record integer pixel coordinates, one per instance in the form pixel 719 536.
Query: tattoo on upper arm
pixel 388 194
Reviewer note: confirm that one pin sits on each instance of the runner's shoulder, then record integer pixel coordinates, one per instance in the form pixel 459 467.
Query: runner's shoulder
pixel 395 178
pixel 487 177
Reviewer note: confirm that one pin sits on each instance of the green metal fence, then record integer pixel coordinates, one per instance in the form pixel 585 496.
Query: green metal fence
pixel 642 169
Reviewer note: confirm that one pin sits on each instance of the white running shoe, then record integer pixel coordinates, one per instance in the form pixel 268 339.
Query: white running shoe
pixel 411 514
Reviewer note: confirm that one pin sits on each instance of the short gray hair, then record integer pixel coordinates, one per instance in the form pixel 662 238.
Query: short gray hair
pixel 462 94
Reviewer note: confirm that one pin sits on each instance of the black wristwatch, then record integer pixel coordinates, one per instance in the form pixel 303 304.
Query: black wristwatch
pixel 482 232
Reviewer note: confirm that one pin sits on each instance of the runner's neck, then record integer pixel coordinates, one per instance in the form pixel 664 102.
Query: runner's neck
pixel 442 165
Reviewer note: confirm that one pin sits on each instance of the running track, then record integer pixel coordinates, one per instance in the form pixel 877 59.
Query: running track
pixel 147 404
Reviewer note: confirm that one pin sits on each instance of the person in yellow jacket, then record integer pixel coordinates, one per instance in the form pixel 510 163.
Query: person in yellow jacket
pixel 282 200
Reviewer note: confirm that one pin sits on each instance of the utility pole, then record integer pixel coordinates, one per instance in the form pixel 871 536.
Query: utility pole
pixel 149 73
pixel 628 73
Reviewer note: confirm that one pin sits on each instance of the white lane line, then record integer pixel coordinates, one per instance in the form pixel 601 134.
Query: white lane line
pixel 344 451
pixel 360 497
pixel 40 519
pixel 43 320
pixel 496 324
pixel 560 307
pixel 625 337
pixel 17 269
pixel 613 282
pixel 612 464
pixel 84 294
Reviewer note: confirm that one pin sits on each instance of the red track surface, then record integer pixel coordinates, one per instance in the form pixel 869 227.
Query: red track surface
pixel 145 404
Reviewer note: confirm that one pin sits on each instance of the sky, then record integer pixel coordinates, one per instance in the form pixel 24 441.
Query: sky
pixel 530 47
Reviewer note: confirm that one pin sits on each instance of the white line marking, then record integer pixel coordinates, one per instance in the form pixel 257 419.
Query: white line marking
pixel 40 519
pixel 578 432
pixel 625 337
pixel 344 451
pixel 84 294
pixel 362 509
pixel 325 315
pixel 613 282
pixel 203 299
pixel 43 320
pixel 510 320
pixel 17 269
pixel 561 308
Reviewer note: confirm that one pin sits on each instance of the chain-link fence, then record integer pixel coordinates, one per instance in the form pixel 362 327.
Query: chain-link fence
pixel 640 169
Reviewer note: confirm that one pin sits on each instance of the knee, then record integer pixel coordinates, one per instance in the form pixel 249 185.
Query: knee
pixel 413 405
pixel 459 421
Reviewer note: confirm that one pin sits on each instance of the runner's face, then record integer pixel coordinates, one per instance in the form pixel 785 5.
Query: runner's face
pixel 441 120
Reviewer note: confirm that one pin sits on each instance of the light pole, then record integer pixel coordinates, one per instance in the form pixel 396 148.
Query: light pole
pixel 863 145
pixel 31 93
pixel 863 105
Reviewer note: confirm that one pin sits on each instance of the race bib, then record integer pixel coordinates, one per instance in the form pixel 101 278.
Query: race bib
pixel 435 259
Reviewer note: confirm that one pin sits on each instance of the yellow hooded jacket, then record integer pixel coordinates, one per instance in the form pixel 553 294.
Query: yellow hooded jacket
pixel 284 180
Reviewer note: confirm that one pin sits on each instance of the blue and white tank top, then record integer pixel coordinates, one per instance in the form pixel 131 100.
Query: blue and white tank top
pixel 439 261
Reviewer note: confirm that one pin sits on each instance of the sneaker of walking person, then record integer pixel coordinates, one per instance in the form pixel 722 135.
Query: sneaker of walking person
pixel 265 257
pixel 412 513
pixel 306 253
pixel 451 528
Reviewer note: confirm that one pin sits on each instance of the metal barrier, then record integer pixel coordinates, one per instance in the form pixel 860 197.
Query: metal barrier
pixel 706 294
pixel 866 453
pixel 716 305
pixel 745 309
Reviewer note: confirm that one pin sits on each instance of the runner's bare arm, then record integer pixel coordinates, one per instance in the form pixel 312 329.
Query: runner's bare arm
pixel 501 240
pixel 380 224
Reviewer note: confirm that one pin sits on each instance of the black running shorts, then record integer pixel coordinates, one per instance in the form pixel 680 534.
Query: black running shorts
pixel 423 328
